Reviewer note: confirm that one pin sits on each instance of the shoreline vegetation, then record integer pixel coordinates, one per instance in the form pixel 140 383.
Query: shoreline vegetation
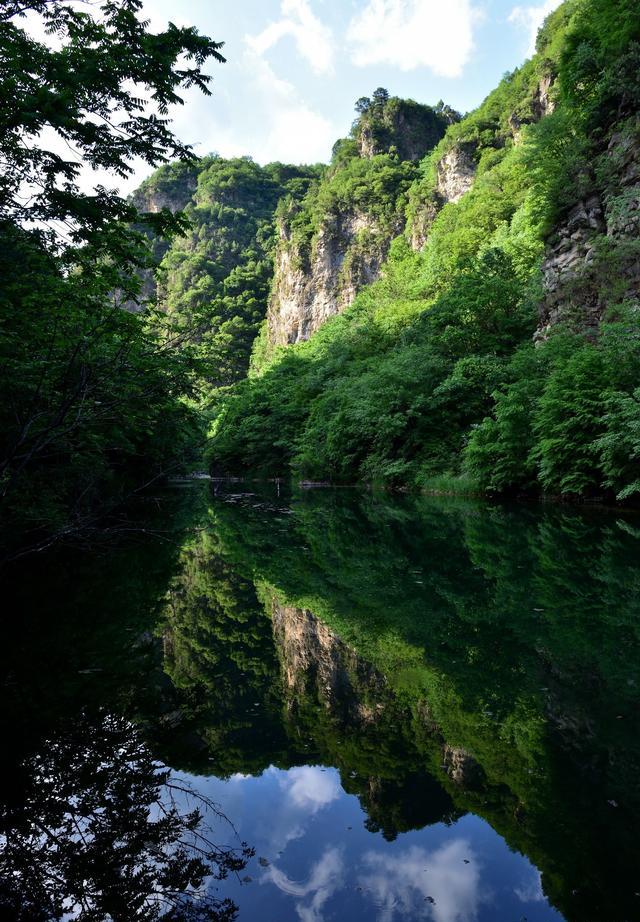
pixel 440 485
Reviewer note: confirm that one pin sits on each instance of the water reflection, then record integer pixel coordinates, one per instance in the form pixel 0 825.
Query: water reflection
pixel 326 877
pixel 396 700
pixel 447 880
pixel 93 828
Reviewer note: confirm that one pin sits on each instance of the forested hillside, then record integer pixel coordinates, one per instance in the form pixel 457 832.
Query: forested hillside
pixel 93 401
pixel 500 345
pixel 212 283
pixel 452 302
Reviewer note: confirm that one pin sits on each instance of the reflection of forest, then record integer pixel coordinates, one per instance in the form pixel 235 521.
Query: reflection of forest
pixel 446 656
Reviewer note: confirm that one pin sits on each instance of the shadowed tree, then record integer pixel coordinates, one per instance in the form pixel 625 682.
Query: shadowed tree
pixel 96 829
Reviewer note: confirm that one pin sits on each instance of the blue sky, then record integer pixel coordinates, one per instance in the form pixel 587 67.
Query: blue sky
pixel 295 67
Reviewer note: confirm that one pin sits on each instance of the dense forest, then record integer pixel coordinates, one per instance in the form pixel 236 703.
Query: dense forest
pixel 451 303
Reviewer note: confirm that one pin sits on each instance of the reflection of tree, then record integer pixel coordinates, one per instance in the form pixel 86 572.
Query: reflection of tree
pixel 220 656
pixel 96 829
pixel 507 632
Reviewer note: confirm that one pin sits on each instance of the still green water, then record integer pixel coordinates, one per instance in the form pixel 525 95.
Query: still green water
pixel 411 708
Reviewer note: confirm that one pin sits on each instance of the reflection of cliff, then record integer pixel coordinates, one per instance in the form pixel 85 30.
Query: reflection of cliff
pixel 491 648
pixel 357 723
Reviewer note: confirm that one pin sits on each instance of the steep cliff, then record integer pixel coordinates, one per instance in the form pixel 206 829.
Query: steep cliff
pixel 475 144
pixel 212 284
pixel 336 240
pixel 592 259
pixel 310 286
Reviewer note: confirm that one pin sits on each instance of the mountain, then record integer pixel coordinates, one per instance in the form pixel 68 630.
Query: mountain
pixel 499 345
pixel 334 242
pixel 453 302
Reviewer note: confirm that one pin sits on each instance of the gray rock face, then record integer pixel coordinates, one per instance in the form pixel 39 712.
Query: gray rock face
pixel 567 257
pixel 456 172
pixel 541 104
pixel 595 241
pixel 461 767
pixel 347 253
pixel 174 198
pixel 350 245
pixel 423 217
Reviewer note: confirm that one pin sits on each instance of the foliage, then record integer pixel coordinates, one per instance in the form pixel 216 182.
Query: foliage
pixel 86 91
pixel 214 281
pixel 101 834
pixel 91 404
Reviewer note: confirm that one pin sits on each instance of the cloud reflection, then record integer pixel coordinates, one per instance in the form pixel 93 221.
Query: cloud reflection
pixel 325 878
pixel 531 890
pixel 294 797
pixel 310 788
pixel 415 883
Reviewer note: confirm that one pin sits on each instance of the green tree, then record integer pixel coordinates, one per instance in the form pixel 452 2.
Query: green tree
pixel 90 397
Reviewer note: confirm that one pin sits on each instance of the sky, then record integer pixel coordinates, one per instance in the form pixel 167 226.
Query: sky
pixel 295 67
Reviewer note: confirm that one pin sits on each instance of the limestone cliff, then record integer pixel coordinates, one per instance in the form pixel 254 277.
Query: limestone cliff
pixel 338 239
pixel 213 281
pixel 171 187
pixel 455 161
pixel 347 253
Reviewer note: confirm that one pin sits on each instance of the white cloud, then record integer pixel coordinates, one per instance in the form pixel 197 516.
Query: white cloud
pixel 416 884
pixel 313 39
pixel 530 891
pixel 414 33
pixel 531 18
pixel 292 130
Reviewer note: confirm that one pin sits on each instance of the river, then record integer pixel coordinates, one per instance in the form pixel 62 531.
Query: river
pixel 407 707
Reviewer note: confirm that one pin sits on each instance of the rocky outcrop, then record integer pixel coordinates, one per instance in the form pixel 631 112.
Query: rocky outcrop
pixel 424 214
pixel 570 254
pixel 543 103
pixel 173 192
pixel 539 105
pixel 315 660
pixel 402 126
pixel 456 172
pixel 346 254
pixel 593 257
pixel 319 277
pixel 461 767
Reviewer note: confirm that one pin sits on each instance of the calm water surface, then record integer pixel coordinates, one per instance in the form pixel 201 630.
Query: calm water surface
pixel 410 708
